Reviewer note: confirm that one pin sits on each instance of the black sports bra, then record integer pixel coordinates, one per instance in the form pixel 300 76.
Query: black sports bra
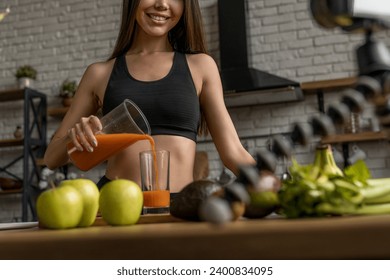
pixel 170 104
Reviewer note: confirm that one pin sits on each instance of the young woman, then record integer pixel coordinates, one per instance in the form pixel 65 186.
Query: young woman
pixel 160 63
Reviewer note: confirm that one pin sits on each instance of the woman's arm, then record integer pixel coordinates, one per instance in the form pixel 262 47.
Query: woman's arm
pixel 86 102
pixel 220 125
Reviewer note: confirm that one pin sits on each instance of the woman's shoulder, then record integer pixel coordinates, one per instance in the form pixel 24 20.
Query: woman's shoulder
pixel 96 76
pixel 200 58
pixel 202 63
pixel 100 69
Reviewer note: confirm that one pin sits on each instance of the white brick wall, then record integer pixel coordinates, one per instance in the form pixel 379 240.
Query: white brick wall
pixel 60 38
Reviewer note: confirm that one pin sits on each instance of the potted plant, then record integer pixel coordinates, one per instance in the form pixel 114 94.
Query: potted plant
pixel 67 91
pixel 26 75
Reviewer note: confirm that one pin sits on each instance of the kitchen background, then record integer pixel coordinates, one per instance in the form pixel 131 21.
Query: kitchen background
pixel 61 38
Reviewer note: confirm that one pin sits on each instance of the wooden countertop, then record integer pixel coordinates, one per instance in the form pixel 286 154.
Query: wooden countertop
pixel 365 237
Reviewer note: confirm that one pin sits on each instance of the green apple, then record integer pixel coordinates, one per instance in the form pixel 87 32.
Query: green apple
pixel 121 202
pixel 90 195
pixel 60 208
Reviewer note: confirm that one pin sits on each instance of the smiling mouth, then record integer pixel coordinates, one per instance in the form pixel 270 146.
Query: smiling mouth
pixel 158 18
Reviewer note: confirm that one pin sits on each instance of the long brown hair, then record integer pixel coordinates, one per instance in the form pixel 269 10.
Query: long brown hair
pixel 186 37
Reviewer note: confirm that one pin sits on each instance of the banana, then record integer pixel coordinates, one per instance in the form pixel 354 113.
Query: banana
pixel 324 160
pixel 336 170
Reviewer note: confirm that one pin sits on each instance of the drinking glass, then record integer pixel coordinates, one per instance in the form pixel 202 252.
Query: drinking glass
pixel 154 165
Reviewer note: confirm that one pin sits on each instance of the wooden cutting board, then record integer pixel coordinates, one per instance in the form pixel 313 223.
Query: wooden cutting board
pixel 146 219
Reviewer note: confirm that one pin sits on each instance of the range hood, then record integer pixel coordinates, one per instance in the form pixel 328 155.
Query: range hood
pixel 242 84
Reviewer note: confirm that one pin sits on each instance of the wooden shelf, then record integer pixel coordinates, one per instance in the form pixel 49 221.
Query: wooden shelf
pixel 5 192
pixel 57 111
pixel 18 94
pixel 11 94
pixel 354 137
pixel 11 142
pixel 327 85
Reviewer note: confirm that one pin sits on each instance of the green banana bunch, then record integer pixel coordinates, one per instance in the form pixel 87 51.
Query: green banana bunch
pixel 324 163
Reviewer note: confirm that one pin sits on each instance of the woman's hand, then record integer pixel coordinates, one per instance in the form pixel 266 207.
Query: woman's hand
pixel 83 133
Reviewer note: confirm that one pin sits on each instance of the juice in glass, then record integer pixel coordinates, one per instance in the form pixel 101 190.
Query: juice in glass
pixel 155 165
pixel 158 198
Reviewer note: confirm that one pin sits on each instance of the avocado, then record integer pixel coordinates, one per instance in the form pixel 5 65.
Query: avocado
pixel 185 205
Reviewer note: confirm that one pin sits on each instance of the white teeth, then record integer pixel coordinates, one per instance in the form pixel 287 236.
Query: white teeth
pixel 158 18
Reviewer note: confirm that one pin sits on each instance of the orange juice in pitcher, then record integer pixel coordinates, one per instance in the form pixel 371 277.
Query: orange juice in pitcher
pixel 121 127
pixel 108 145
